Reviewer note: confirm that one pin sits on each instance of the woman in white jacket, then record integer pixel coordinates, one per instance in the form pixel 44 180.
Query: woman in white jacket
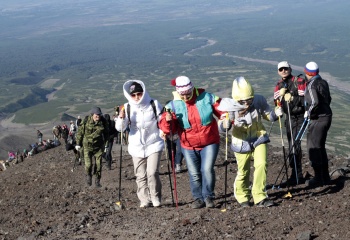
pixel 145 144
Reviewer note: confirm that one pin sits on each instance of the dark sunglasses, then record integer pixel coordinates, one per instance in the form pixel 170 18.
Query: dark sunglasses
pixel 246 102
pixel 138 94
pixel 283 68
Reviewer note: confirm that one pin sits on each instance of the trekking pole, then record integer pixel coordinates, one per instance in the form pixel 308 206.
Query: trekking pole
pixel 271 128
pixel 173 162
pixel 119 204
pixel 293 147
pixel 299 136
pixel 302 129
pixel 226 163
pixel 307 124
pixel 284 151
pixel 168 159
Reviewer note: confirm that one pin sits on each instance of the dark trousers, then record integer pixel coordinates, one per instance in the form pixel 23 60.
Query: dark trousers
pixel 316 141
pixel 108 154
pixel 295 152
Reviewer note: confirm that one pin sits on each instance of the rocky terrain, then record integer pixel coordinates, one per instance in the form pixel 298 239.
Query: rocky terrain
pixel 42 198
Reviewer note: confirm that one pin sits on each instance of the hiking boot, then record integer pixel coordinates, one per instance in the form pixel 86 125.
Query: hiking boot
pixel 145 205
pixel 178 168
pixel 265 203
pixel 314 182
pixel 89 180
pixel 198 203
pixel 326 179
pixel 245 204
pixel 325 174
pixel 156 203
pixel 209 202
pixel 317 180
pixel 97 183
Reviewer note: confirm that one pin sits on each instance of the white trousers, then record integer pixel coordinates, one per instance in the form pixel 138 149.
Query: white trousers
pixel 149 187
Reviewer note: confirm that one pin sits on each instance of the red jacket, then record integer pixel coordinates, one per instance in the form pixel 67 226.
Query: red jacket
pixel 197 136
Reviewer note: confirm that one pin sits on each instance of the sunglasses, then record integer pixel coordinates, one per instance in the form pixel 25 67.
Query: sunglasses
pixel 283 69
pixel 138 94
pixel 246 102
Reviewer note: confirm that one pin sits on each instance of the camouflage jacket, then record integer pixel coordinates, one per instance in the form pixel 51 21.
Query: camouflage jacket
pixel 93 136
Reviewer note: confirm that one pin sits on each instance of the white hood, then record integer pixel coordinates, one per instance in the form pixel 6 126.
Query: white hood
pixel 145 99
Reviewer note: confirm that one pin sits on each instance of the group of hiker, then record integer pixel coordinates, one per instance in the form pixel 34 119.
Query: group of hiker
pixel 59 132
pixel 41 145
pixel 189 128
pixel 191 123
pixel 191 116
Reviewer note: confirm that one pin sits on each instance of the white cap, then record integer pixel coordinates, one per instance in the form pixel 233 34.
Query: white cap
pixel 283 64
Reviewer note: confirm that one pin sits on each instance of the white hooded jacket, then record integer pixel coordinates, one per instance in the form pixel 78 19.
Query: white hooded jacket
pixel 144 135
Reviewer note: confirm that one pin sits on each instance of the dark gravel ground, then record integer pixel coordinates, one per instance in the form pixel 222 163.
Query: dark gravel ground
pixel 41 198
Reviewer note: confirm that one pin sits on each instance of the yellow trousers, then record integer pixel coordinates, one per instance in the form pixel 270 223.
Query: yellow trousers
pixel 241 186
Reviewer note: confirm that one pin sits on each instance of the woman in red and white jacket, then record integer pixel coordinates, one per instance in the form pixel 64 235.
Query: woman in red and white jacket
pixel 190 115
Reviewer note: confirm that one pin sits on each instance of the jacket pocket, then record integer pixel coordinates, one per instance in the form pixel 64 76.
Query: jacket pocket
pixel 240 146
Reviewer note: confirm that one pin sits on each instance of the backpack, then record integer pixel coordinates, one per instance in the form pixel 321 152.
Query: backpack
pixel 104 121
pixel 153 107
pixel 298 82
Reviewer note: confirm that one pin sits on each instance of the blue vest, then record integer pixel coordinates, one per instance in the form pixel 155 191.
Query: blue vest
pixel 203 103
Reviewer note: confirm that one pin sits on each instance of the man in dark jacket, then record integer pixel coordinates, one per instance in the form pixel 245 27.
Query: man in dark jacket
pixel 93 136
pixel 112 134
pixel 318 110
pixel 289 93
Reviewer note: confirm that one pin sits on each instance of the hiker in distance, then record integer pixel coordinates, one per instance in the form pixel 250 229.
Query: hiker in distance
pixel 93 136
pixel 290 91
pixel 191 117
pixel 39 136
pixel 145 146
pixel 249 140
pixel 319 112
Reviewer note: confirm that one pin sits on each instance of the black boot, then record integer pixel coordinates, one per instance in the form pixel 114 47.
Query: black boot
pixel 325 174
pixel 97 183
pixel 89 179
pixel 317 180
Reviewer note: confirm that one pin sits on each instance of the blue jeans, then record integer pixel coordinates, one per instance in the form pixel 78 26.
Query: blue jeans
pixel 200 165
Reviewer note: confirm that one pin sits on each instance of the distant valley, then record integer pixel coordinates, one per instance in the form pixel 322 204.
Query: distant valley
pixel 79 55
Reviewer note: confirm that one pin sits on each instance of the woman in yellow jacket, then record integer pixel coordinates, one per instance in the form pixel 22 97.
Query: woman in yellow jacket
pixel 249 140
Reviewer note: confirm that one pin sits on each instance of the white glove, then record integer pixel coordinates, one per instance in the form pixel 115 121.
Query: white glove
pixel 226 123
pixel 279 111
pixel 77 147
pixel 306 115
pixel 106 149
pixel 288 97
pixel 283 91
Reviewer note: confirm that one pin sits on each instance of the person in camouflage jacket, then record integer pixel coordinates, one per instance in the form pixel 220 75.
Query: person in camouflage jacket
pixel 93 135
